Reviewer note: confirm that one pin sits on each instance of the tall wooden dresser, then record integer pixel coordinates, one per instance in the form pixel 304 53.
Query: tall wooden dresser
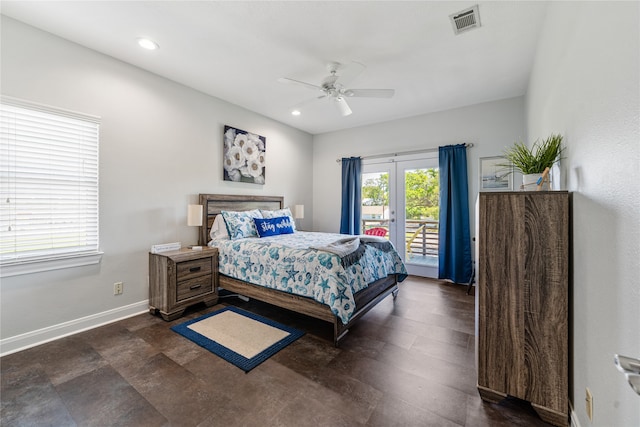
pixel 523 299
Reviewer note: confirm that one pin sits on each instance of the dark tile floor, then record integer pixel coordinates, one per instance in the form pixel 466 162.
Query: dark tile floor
pixel 408 362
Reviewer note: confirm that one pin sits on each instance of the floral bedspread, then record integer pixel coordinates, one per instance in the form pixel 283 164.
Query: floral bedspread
pixel 287 263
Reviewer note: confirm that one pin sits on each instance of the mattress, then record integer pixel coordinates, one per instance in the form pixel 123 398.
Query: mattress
pixel 312 265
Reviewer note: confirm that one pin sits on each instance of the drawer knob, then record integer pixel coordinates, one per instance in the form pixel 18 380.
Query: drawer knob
pixel 194 269
pixel 195 287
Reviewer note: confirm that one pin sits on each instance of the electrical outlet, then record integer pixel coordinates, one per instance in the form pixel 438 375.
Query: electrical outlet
pixel 589 404
pixel 117 288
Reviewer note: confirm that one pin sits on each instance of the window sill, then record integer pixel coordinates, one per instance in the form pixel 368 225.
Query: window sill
pixel 17 268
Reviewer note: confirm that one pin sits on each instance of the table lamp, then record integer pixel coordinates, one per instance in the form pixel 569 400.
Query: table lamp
pixel 298 212
pixel 194 219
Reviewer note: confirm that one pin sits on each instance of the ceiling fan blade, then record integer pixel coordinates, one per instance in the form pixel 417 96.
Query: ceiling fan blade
pixel 299 83
pixel 342 106
pixel 369 93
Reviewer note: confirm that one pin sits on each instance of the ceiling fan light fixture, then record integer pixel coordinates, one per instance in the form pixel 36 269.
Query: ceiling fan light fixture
pixel 147 43
pixel 342 106
pixel 295 112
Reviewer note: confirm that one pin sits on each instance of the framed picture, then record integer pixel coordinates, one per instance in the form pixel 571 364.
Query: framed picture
pixel 496 174
pixel 244 154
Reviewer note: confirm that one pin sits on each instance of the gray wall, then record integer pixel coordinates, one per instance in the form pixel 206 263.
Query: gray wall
pixel 585 85
pixel 490 126
pixel 160 145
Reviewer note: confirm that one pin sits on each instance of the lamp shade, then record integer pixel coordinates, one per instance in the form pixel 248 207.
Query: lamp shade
pixel 298 212
pixel 194 215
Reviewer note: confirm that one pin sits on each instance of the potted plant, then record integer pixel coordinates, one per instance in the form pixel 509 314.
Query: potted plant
pixel 533 162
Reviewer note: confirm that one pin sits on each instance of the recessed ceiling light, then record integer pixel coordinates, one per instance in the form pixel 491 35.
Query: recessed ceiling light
pixel 296 112
pixel 147 43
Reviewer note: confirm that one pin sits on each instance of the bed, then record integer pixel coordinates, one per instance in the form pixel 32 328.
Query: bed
pixel 236 257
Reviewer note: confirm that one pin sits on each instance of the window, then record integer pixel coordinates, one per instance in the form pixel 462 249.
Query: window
pixel 48 188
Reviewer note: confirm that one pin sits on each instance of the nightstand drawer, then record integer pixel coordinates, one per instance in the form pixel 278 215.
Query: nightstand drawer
pixel 190 269
pixel 194 287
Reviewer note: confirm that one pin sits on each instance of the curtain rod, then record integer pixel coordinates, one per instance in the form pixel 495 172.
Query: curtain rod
pixel 403 153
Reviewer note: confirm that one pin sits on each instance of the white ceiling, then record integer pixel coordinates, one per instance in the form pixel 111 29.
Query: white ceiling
pixel 236 50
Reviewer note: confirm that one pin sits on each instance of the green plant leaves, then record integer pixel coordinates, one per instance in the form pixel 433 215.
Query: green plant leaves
pixel 541 155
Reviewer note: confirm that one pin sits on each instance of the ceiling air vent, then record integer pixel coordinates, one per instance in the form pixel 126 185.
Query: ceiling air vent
pixel 465 20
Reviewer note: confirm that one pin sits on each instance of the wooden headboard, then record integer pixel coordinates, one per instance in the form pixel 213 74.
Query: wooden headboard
pixel 213 204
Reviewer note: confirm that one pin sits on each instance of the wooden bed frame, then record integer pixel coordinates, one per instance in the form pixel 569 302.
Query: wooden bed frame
pixel 365 299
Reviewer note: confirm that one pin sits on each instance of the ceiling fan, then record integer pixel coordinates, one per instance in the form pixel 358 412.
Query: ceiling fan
pixel 335 91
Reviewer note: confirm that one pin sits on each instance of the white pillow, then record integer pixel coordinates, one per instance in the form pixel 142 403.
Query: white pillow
pixel 219 229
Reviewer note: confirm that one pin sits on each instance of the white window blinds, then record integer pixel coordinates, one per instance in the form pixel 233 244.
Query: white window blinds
pixel 48 182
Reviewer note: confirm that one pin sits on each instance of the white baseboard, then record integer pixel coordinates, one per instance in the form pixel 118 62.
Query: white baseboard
pixel 51 333
pixel 574 417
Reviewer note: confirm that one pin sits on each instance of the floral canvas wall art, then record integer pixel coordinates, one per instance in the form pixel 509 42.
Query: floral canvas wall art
pixel 244 156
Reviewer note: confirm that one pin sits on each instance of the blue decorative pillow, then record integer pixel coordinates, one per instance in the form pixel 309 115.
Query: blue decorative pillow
pixel 273 226
pixel 279 213
pixel 240 224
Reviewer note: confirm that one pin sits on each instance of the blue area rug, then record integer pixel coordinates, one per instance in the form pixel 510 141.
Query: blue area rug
pixel 238 336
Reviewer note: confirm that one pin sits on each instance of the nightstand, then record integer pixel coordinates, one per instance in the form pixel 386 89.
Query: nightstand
pixel 178 279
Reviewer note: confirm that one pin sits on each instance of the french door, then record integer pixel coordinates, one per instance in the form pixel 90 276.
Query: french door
pixel 400 198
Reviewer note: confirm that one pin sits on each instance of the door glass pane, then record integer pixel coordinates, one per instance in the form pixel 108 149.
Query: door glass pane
pixel 421 216
pixel 375 203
